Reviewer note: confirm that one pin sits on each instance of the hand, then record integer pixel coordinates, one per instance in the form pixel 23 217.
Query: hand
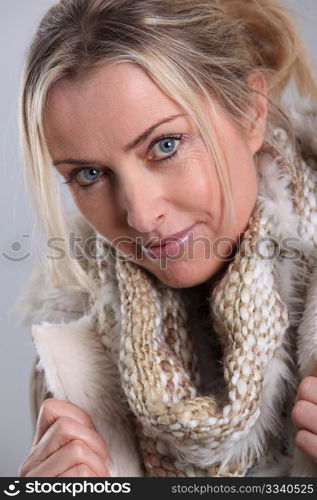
pixel 65 444
pixel 304 415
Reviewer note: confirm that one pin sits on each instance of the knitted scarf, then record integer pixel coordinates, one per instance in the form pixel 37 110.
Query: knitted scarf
pixel 180 430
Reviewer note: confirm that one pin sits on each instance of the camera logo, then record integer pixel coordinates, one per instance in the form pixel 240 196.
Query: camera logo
pixel 12 490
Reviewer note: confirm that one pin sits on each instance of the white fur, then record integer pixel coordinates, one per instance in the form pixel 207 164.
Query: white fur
pixel 78 369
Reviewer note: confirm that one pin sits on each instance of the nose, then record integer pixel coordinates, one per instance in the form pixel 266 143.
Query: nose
pixel 142 199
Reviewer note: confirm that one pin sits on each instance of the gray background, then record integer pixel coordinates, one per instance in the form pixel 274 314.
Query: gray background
pixel 18 19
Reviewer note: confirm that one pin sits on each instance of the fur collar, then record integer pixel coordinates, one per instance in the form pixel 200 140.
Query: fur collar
pixel 79 365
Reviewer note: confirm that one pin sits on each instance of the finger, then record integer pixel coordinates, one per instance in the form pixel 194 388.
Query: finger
pixel 52 409
pixel 304 415
pixel 63 431
pixel 307 442
pixel 78 471
pixel 307 390
pixel 72 454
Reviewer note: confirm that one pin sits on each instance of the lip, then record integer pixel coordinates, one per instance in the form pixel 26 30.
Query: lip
pixel 181 235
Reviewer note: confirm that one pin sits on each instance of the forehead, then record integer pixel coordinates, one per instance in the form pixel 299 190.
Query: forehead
pixel 113 103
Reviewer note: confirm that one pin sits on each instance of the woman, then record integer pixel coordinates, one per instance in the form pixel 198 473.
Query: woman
pixel 174 331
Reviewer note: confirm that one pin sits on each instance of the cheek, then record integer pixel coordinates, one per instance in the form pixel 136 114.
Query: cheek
pixel 242 175
pixel 98 208
pixel 198 176
pixel 244 186
pixel 198 186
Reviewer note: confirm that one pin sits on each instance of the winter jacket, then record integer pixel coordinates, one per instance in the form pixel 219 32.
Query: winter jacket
pixel 74 361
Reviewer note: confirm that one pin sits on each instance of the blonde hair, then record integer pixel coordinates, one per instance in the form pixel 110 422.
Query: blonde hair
pixel 199 48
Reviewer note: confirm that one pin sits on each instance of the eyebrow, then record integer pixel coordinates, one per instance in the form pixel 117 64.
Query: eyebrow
pixel 133 144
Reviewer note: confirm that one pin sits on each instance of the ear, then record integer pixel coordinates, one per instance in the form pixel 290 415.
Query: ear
pixel 256 124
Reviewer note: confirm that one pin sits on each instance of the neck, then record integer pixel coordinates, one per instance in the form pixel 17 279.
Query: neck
pixel 202 291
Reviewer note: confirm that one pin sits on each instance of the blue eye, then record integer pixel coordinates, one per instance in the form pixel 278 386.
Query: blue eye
pixel 166 147
pixel 89 174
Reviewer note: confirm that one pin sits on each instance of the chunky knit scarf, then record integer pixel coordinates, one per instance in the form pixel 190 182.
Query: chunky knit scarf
pixel 181 430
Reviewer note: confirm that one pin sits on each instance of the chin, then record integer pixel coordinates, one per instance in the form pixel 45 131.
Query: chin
pixel 186 274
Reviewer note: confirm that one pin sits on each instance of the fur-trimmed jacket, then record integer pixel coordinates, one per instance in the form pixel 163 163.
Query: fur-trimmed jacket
pixel 75 362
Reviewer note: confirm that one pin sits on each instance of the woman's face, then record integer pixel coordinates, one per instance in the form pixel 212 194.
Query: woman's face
pixel 140 171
